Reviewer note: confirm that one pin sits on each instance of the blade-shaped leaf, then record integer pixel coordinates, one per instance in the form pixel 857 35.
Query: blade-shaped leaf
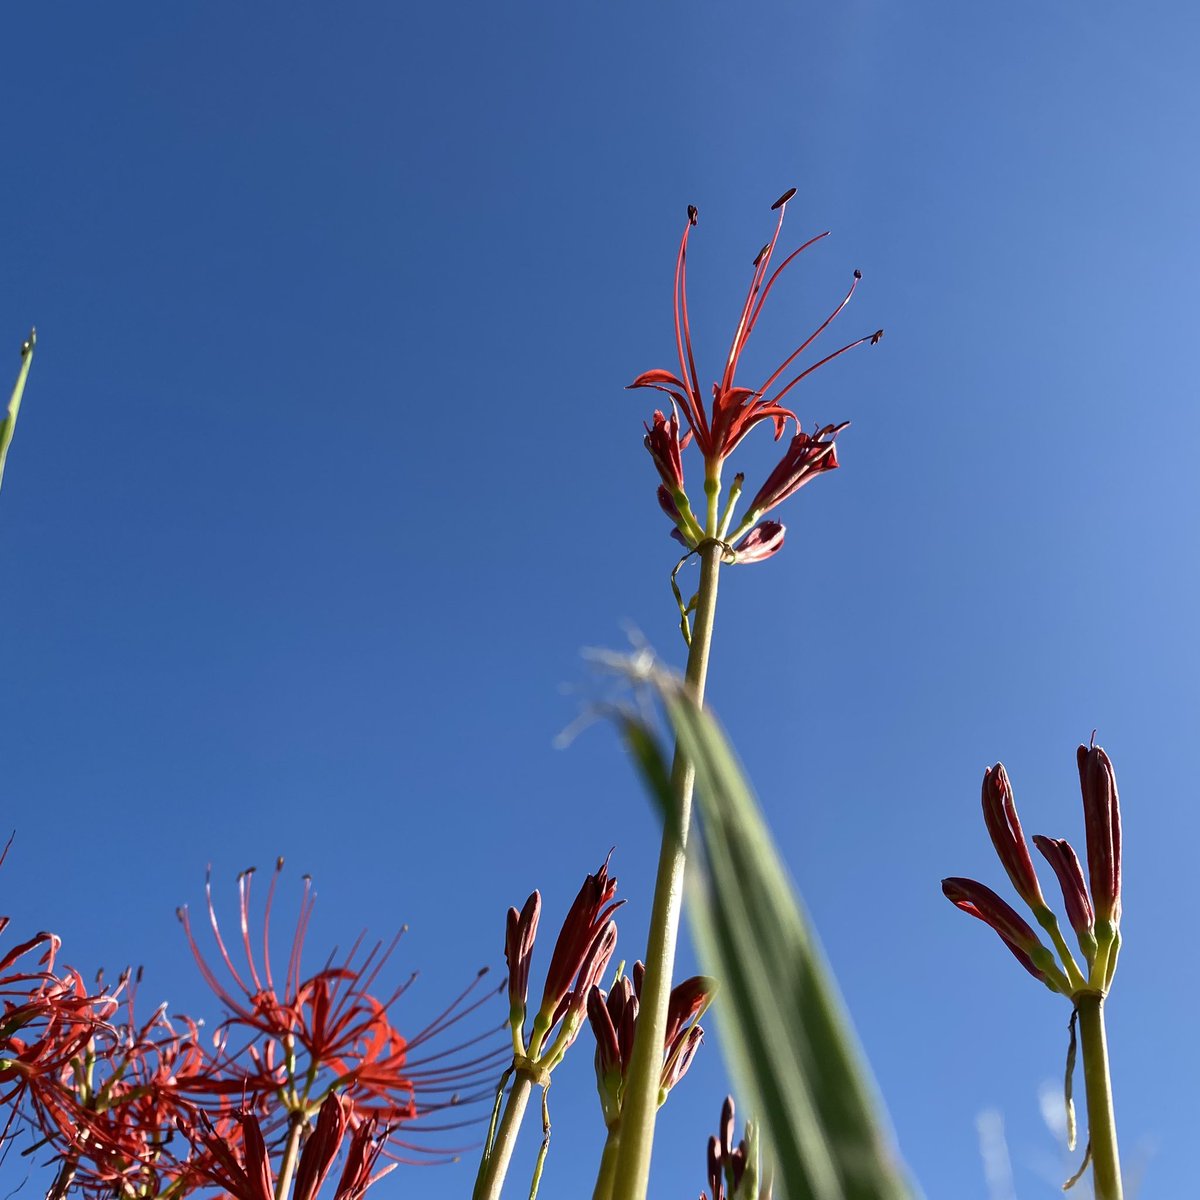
pixel 784 1026
pixel 9 424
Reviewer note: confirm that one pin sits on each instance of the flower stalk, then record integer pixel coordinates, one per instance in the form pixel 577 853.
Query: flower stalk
pixel 640 1107
pixel 1102 1125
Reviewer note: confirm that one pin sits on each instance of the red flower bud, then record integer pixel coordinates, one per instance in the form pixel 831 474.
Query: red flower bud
pixel 980 901
pixel 1004 828
pixel 519 935
pixel 1059 853
pixel 1102 823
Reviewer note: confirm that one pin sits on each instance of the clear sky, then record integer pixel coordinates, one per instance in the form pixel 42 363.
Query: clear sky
pixel 325 476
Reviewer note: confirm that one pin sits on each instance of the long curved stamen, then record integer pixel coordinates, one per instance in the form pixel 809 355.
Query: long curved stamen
pixel 683 332
pixel 212 918
pixel 266 938
pixel 771 283
pixel 870 337
pixel 307 900
pixel 245 880
pixel 742 332
pixel 787 362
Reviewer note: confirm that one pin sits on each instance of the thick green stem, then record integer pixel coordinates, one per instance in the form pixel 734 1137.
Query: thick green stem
pixel 640 1104
pixel 1102 1126
pixel 494 1167
pixel 291 1152
pixel 608 1165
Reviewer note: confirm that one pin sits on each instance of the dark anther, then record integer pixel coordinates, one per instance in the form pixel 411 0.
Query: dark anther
pixel 693 213
pixel 877 337
pixel 783 199
pixel 761 254
pixel 857 274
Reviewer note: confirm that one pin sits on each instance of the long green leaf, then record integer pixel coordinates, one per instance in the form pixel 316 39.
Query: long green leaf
pixel 783 1024
pixel 9 424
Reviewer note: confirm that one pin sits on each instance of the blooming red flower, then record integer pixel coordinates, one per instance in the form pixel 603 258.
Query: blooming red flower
pixel 735 410
pixel 311 1035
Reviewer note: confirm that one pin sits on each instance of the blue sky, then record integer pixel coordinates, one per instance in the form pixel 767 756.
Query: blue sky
pixel 325 476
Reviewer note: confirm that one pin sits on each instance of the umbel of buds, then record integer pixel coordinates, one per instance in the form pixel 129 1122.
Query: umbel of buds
pixel 735 1172
pixel 613 1018
pixel 585 944
pixel 1094 918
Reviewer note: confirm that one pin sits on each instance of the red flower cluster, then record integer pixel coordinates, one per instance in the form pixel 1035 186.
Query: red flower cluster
pixel 144 1109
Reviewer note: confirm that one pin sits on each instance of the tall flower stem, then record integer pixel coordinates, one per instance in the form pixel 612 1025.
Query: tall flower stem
pixel 1102 1126
pixel 608 1165
pixel 291 1152
pixel 494 1167
pixel 639 1106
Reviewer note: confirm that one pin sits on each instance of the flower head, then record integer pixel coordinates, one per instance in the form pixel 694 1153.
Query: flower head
pixel 581 953
pixel 614 1022
pixel 309 1035
pixel 735 409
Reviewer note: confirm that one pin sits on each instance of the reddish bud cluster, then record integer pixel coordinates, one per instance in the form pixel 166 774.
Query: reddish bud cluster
pixel 581 953
pixel 613 1018
pixel 1094 917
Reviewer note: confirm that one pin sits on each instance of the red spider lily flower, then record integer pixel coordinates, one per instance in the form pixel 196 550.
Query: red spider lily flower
pixel 45 1022
pixel 736 410
pixel 807 456
pixel 1059 853
pixel 980 901
pixel 1004 828
pixel 135 1089
pixel 1102 824
pixel 311 1035
pixel 614 1022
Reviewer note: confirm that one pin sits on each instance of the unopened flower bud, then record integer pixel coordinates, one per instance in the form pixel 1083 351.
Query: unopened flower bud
pixel 1102 822
pixel 1004 828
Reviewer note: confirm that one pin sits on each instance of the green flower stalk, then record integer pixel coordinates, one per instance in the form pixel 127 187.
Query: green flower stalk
pixel 716 427
pixel 613 1018
pixel 581 955
pixel 1095 919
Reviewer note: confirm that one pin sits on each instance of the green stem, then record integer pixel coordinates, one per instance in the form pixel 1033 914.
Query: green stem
pixel 608 1165
pixel 1102 1126
pixel 291 1152
pixel 494 1167
pixel 640 1104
